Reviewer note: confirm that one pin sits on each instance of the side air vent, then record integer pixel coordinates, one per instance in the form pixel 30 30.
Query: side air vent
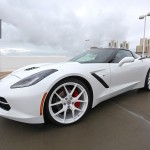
pixel 4 104
pixel 100 80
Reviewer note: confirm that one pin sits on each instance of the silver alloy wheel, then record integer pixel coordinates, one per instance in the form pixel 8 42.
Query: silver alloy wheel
pixel 68 103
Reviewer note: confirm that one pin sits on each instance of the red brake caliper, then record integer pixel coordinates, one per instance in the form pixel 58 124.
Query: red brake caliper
pixel 75 94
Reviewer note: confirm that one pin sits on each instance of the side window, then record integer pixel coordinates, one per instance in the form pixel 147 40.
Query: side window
pixel 87 57
pixel 121 54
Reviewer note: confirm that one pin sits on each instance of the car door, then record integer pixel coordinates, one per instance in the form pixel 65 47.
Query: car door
pixel 125 77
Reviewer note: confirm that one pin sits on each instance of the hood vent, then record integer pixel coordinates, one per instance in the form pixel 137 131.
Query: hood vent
pixel 31 68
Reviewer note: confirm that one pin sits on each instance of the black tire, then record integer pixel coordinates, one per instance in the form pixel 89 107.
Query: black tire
pixel 147 85
pixel 48 110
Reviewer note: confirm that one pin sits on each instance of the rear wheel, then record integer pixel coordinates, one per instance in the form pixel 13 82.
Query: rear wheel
pixel 147 81
pixel 68 102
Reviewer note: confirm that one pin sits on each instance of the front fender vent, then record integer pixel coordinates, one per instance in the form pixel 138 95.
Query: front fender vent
pixel 100 80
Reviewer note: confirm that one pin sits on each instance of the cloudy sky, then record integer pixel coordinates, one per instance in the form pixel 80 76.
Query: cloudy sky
pixel 63 26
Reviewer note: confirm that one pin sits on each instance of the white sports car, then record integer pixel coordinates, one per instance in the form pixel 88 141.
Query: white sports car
pixel 63 93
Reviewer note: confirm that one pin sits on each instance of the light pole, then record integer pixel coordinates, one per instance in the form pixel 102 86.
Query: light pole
pixel 0 29
pixel 144 17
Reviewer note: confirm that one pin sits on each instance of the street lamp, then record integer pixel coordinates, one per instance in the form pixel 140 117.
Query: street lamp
pixel 0 29
pixel 144 17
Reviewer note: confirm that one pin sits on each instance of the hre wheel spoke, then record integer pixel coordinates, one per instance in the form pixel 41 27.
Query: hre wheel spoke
pixel 80 94
pixel 73 115
pixel 65 112
pixel 78 109
pixel 76 98
pixel 66 90
pixel 59 97
pixel 57 103
pixel 60 111
pixel 81 101
pixel 73 89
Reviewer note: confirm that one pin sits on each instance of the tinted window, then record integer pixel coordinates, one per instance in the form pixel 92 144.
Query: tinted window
pixel 121 54
pixel 95 56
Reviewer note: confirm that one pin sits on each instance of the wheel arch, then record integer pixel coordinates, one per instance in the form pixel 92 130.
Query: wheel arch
pixel 70 77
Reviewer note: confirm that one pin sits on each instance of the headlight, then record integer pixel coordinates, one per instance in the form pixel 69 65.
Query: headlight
pixel 33 79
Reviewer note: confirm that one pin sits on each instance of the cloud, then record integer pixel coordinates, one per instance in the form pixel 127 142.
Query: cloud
pixel 63 26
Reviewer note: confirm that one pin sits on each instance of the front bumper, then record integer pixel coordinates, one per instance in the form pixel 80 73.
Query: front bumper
pixel 18 116
pixel 24 102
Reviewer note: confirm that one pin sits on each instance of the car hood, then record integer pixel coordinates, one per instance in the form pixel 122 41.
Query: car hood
pixel 73 67
pixel 31 69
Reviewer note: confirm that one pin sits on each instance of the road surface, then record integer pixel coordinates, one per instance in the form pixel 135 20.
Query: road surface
pixel 121 123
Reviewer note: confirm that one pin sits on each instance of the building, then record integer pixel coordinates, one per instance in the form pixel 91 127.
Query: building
pixel 124 45
pixel 139 48
pixel 115 44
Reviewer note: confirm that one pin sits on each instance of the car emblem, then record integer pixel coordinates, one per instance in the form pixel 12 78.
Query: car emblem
pixel 69 102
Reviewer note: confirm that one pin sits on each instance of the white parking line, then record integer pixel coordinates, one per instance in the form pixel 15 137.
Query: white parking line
pixel 132 113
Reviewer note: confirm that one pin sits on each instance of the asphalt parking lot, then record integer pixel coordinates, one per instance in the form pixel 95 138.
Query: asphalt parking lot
pixel 121 123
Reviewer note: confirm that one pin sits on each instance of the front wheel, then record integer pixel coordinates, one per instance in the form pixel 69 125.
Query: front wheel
pixel 68 102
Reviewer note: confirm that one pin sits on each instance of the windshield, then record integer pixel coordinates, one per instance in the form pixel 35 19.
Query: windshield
pixel 135 55
pixel 96 56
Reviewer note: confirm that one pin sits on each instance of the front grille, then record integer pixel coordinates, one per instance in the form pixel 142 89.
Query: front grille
pixel 4 104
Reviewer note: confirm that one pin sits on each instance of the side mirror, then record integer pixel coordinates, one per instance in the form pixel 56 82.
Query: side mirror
pixel 126 60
